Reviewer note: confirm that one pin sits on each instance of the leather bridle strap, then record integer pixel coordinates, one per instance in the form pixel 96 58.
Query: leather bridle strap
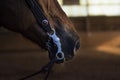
pixel 39 16
pixel 44 24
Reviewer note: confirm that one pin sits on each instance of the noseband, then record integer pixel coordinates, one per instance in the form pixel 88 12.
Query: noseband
pixel 44 24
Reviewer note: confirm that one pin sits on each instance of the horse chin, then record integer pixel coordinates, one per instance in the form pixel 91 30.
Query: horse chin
pixel 51 55
pixel 52 52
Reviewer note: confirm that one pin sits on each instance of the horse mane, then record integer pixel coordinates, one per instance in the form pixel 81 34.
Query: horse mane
pixel 53 10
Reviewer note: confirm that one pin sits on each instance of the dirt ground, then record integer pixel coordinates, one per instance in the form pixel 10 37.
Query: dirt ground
pixel 97 59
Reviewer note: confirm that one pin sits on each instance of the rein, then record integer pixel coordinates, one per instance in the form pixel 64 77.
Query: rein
pixel 44 24
pixel 47 68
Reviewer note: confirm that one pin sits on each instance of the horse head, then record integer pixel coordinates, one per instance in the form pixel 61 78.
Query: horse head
pixel 64 28
pixel 21 19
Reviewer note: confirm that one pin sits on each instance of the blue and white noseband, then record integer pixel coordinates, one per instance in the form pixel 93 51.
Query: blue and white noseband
pixel 56 40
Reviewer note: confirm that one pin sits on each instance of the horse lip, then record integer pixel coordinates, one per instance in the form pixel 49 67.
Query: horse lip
pixel 68 57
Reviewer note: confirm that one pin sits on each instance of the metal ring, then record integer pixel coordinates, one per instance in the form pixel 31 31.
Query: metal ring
pixel 45 22
pixel 60 56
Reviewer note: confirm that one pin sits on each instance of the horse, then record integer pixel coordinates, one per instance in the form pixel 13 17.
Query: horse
pixel 16 15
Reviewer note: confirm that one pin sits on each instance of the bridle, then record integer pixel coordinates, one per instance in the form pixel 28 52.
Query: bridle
pixel 44 24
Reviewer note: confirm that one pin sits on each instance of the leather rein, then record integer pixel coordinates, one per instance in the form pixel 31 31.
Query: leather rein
pixel 44 24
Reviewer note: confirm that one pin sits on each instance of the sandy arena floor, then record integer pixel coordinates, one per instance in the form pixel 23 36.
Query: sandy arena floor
pixel 98 59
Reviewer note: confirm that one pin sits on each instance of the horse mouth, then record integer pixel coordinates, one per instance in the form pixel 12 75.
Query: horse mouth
pixel 68 57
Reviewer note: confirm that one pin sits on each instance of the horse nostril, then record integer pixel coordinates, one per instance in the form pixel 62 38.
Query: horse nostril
pixel 77 46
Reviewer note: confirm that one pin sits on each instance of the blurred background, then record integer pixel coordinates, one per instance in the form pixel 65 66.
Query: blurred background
pixel 98 24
